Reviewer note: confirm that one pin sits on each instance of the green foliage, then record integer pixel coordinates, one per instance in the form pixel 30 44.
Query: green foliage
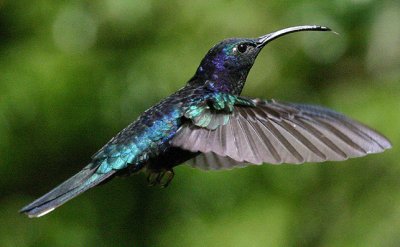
pixel 73 73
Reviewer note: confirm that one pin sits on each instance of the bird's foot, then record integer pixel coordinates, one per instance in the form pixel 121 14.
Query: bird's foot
pixel 162 178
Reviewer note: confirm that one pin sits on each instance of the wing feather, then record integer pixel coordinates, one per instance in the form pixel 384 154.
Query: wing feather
pixel 276 133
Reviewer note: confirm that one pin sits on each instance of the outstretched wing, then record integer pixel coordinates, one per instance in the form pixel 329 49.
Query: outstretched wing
pixel 274 132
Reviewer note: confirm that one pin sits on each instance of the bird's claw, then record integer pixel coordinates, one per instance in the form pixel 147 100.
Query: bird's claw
pixel 166 178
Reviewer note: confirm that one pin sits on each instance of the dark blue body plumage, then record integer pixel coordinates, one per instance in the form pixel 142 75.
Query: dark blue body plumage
pixel 148 137
pixel 208 124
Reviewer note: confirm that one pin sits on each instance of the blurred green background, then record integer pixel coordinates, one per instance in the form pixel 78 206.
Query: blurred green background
pixel 74 73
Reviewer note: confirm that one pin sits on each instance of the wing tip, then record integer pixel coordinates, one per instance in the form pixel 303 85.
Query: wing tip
pixel 386 143
pixel 382 142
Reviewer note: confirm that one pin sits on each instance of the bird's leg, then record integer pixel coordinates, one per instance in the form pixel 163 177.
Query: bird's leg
pixel 162 178
pixel 152 178
pixel 166 178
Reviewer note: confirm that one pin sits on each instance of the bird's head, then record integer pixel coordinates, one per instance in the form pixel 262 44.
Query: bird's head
pixel 228 63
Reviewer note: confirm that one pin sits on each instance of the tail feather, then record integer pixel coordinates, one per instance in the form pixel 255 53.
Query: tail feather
pixel 74 186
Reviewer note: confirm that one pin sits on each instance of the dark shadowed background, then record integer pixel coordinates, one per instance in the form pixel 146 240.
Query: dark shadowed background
pixel 74 73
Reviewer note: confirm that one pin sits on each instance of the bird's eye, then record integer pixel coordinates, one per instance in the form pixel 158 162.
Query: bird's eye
pixel 242 48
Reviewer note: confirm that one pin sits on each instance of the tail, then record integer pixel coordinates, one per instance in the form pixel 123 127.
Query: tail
pixel 79 183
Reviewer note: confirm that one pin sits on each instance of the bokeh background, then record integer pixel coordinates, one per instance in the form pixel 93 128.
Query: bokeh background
pixel 74 73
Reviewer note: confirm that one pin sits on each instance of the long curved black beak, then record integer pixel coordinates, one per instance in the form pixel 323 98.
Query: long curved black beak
pixel 265 39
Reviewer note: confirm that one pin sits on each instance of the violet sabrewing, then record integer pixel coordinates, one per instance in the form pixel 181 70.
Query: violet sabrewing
pixel 208 125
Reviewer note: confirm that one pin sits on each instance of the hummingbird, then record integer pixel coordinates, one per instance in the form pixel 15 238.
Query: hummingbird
pixel 208 125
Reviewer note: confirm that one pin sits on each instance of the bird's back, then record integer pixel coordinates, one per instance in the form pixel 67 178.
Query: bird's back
pixel 149 135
